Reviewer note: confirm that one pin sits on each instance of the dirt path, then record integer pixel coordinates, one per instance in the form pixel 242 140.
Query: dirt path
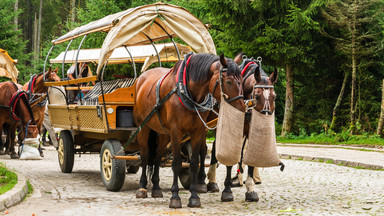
pixel 304 188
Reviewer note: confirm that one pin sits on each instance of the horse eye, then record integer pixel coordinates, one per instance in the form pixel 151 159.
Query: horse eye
pixel 229 82
pixel 257 97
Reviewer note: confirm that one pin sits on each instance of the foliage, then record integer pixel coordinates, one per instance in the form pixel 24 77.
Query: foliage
pixel 8 179
pixel 281 32
pixel 332 138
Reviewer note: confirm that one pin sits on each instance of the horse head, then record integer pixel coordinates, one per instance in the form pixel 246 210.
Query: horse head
pixel 259 88
pixel 51 75
pixel 229 84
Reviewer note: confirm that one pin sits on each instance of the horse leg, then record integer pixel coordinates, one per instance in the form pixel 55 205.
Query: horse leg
pixel 156 189
pixel 226 195
pixel 12 135
pixel 2 152
pixel 237 181
pixel 40 148
pixel 176 167
pixel 142 137
pixel 212 184
pixel 196 140
pixel 251 194
pixel 201 186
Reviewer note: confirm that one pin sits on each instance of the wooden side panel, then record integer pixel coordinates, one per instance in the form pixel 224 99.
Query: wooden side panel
pixel 118 98
pixel 121 95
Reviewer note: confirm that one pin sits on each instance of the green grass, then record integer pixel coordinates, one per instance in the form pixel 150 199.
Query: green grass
pixel 335 139
pixel 8 179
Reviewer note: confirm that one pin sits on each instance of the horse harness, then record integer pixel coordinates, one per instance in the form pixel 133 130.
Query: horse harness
pixel 32 95
pixel 185 99
pixel 266 88
pixel 15 99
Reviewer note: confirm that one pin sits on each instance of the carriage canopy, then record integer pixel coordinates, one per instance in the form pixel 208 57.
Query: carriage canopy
pixel 7 66
pixel 141 54
pixel 146 24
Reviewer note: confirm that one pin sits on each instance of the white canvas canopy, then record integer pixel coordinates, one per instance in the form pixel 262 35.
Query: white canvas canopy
pixel 7 66
pixel 143 25
pixel 141 54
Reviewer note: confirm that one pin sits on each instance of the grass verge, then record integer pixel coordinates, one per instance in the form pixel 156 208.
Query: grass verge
pixel 8 179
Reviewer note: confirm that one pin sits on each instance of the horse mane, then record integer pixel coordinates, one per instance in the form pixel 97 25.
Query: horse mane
pixel 233 69
pixel 199 66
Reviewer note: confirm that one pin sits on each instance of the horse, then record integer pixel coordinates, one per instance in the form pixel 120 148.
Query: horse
pixel 178 116
pixel 14 110
pixel 262 99
pixel 36 94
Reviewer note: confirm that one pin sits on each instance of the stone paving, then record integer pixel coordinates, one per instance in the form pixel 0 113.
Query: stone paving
pixel 304 188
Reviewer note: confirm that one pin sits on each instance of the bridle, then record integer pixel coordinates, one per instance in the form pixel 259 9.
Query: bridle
pixel 266 90
pixel 225 96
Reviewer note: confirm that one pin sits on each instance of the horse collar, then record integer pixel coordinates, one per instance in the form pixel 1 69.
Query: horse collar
pixel 183 92
pixel 20 94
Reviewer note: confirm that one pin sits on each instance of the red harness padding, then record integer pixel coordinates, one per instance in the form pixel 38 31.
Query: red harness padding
pixel 184 77
pixel 14 100
pixel 246 67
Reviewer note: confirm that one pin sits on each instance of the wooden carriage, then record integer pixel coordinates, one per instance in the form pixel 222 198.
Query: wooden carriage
pixel 101 121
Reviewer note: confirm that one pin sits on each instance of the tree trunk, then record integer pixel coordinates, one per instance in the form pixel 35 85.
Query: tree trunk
pixel 29 32
pixel 73 11
pixel 381 119
pixel 288 113
pixel 39 30
pixel 353 87
pixel 16 19
pixel 338 102
pixel 34 42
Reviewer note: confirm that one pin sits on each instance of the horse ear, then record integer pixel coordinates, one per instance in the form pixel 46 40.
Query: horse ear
pixel 56 70
pixel 273 76
pixel 223 61
pixel 238 58
pixel 257 74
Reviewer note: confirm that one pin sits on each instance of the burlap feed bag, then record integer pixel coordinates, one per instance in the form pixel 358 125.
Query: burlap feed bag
pixel 229 134
pixel 261 150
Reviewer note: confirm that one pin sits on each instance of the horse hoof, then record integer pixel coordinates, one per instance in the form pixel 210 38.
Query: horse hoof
pixel 141 193
pixel 251 196
pixel 201 188
pixel 2 152
pixel 14 156
pixel 157 193
pixel 194 203
pixel 175 203
pixel 226 196
pixel 213 187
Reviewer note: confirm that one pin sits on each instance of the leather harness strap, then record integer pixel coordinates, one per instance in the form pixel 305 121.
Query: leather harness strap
pixel 31 84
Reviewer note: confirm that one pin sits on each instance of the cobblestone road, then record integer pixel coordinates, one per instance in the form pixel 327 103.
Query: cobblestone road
pixel 304 188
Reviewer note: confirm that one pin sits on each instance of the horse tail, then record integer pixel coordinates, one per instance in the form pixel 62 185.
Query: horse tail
pixel 152 144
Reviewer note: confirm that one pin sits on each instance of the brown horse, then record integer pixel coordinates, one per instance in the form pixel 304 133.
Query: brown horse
pixel 177 117
pixel 36 90
pixel 257 86
pixel 14 110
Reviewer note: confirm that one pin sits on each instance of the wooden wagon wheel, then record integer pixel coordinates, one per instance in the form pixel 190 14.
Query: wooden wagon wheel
pixel 112 170
pixel 66 151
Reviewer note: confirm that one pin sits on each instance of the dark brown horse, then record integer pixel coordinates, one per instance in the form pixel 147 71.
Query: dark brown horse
pixel 177 117
pixel 14 110
pixel 36 92
pixel 257 87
